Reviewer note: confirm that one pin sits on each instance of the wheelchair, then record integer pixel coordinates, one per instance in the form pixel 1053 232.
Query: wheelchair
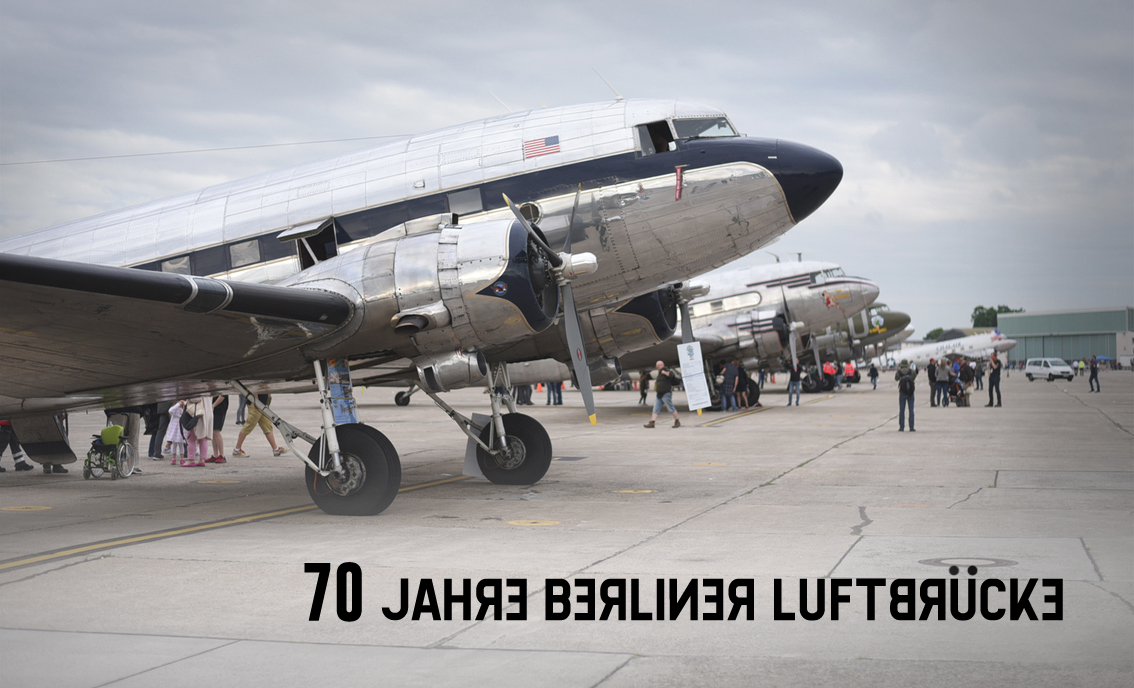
pixel 110 453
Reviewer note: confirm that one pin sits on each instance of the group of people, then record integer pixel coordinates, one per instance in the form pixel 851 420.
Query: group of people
pixel 190 425
pixel 736 388
pixel 185 429
pixel 941 375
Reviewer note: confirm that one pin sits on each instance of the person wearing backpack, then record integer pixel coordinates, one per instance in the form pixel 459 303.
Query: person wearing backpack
pixel 905 376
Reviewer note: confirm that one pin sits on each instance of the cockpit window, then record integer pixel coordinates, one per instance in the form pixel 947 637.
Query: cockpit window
pixel 706 127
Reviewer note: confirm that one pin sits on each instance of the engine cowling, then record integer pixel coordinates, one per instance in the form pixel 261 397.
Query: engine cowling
pixel 465 288
pixel 637 324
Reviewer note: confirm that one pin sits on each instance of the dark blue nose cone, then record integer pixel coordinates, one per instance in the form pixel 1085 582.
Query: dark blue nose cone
pixel 807 175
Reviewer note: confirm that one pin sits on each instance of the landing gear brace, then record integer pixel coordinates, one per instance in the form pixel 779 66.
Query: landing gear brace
pixel 353 469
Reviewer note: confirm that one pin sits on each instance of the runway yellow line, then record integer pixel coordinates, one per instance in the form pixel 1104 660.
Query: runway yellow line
pixel 733 417
pixel 411 488
pixel 175 532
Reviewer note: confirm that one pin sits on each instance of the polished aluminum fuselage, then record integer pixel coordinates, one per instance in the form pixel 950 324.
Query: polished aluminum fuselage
pixel 650 218
pixel 642 236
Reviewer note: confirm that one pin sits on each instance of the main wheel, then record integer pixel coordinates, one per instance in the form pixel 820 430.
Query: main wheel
pixel 811 384
pixel 402 399
pixel 528 453
pixel 372 477
pixel 1029 376
pixel 1051 378
pixel 127 459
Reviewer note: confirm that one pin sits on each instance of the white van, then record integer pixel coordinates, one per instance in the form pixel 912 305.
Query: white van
pixel 1048 369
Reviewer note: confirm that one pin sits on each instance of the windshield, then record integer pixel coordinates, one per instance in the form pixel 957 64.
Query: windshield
pixel 704 127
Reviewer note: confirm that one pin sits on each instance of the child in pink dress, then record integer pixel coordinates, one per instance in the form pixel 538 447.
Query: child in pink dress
pixel 175 436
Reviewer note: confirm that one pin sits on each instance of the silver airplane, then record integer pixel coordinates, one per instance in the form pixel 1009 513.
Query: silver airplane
pixel 748 313
pixel 852 339
pixel 766 314
pixel 973 346
pixel 407 257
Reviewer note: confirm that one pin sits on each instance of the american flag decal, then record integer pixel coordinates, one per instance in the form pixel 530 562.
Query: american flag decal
pixel 538 147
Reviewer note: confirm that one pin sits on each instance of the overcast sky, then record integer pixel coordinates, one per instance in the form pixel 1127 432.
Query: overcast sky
pixel 988 147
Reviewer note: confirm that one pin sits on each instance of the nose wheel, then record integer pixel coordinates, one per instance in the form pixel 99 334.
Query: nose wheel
pixel 526 455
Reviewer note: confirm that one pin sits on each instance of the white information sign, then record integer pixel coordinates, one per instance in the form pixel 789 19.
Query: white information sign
pixel 693 374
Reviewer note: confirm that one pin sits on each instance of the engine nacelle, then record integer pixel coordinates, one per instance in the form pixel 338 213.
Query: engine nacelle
pixel 637 324
pixel 445 372
pixel 464 288
pixel 603 370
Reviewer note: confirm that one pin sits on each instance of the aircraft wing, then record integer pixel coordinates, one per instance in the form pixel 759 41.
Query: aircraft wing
pixel 74 329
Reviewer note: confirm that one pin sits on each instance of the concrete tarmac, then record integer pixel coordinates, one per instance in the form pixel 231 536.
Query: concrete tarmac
pixel 195 576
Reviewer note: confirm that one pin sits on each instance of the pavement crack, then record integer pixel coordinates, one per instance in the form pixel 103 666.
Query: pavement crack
pixel 840 561
pixel 822 453
pixel 1112 594
pixel 169 663
pixel 1079 399
pixel 1087 551
pixel 866 520
pixel 52 570
pixel 967 497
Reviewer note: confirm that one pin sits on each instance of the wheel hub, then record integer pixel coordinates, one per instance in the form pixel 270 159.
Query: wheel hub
pixel 352 478
pixel 512 455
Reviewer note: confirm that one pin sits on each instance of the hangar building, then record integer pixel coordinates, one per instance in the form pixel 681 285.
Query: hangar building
pixel 1071 335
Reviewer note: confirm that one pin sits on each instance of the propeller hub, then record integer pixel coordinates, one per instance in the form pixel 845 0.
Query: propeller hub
pixel 576 265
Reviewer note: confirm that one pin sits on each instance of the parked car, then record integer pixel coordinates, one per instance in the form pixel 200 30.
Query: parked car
pixel 1048 369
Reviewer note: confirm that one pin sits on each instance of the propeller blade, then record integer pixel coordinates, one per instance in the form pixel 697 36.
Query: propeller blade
pixel 686 326
pixel 552 256
pixel 578 351
pixel 571 224
pixel 791 340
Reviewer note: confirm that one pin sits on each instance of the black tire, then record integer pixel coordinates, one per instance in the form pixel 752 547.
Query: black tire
pixel 86 473
pixel 1051 378
pixel 1029 376
pixel 810 384
pixel 402 399
pixel 533 452
pixel 374 474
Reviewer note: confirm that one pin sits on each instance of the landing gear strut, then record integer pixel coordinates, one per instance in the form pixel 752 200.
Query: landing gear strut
pixel 352 470
pixel 403 398
pixel 512 448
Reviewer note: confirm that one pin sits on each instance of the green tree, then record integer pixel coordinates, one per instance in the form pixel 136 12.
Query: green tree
pixel 986 317
pixel 934 334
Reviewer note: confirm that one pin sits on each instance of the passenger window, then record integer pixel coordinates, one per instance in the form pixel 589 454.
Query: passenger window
pixel 717 306
pixel 655 137
pixel 244 253
pixel 210 261
pixel 177 265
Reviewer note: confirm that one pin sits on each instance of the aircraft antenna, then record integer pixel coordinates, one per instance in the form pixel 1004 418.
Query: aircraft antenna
pixel 500 101
pixel 773 255
pixel 799 256
pixel 617 95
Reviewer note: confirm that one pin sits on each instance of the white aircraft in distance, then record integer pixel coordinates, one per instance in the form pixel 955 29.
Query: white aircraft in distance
pixel 750 313
pixel 973 346
pixel 407 255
